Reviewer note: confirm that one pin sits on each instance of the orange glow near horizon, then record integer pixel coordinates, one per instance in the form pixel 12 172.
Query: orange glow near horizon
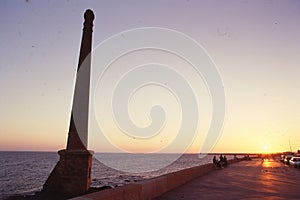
pixel 266 148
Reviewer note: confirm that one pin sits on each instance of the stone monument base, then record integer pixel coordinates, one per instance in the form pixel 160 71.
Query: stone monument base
pixel 71 175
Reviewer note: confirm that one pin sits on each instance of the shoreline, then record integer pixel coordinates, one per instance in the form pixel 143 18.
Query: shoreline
pixel 122 179
pixel 36 195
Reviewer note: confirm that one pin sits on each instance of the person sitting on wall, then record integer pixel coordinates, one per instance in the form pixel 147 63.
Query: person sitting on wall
pixel 221 158
pixel 216 163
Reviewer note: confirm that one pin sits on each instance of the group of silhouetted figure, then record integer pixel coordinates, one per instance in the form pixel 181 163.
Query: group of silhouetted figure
pixel 220 163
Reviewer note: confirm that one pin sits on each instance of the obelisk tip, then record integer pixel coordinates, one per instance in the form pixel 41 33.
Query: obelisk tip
pixel 89 15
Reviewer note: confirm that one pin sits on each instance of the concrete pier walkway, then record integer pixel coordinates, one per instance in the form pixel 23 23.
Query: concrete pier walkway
pixel 254 179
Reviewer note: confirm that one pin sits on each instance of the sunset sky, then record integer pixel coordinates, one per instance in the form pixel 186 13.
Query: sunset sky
pixel 254 44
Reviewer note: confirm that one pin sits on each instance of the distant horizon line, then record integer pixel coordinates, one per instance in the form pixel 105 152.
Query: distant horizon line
pixel 211 153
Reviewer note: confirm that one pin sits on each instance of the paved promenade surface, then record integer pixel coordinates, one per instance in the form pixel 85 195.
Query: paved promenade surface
pixel 254 179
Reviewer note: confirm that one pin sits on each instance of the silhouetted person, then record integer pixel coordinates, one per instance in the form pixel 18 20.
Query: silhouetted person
pixel 221 158
pixel 216 162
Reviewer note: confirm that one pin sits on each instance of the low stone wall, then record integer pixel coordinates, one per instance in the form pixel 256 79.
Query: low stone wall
pixel 151 188
pixel 129 191
pixel 157 186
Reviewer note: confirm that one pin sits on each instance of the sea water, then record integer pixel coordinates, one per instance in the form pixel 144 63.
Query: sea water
pixel 26 172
